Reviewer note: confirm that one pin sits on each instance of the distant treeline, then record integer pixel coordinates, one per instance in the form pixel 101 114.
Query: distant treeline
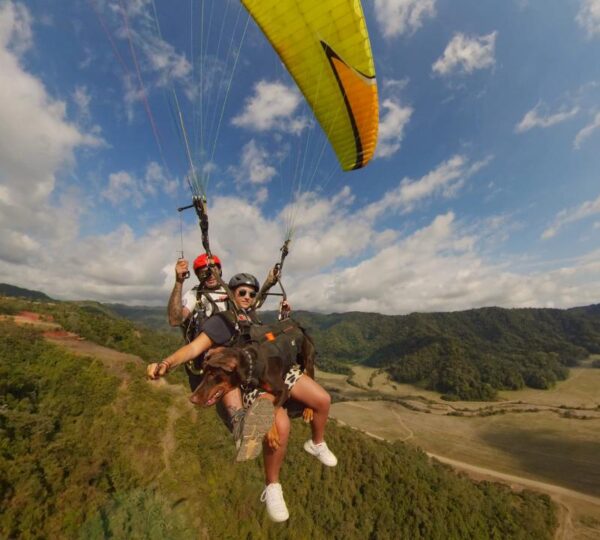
pixel 464 355
pixel 83 455
pixel 13 290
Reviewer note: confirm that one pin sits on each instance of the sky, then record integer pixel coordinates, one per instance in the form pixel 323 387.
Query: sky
pixel 484 190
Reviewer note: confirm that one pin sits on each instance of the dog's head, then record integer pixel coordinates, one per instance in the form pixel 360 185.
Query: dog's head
pixel 220 376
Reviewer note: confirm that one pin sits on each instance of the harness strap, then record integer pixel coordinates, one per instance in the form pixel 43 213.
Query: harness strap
pixel 250 360
pixel 274 334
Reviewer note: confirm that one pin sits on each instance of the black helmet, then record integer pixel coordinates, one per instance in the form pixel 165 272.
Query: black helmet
pixel 243 279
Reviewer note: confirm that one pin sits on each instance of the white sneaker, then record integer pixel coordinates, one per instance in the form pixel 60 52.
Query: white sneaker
pixel 276 508
pixel 321 452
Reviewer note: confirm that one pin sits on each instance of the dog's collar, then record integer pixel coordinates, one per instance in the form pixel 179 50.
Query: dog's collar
pixel 250 359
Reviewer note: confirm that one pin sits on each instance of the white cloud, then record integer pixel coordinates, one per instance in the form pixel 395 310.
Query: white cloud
pixel 586 132
pixel 467 54
pixel 445 179
pixel 165 61
pixel 438 268
pixel 254 167
pixel 397 17
pixel 15 28
pixel 533 119
pixel 156 63
pixel 37 143
pixel 272 106
pixel 156 181
pixel 82 100
pixel 391 127
pixel 588 17
pixel 584 210
pixel 124 188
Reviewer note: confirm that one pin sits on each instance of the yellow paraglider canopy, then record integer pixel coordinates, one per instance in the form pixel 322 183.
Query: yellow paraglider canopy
pixel 325 46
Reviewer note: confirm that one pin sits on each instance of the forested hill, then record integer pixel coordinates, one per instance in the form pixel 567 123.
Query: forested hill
pixel 13 290
pixel 467 354
pixel 90 449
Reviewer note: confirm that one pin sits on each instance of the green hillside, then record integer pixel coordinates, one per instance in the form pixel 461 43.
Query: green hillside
pixel 88 451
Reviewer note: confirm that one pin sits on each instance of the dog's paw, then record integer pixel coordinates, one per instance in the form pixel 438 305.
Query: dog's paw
pixel 272 437
pixel 307 415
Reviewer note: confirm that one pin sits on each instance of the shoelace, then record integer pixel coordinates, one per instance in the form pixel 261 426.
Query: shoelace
pixel 272 493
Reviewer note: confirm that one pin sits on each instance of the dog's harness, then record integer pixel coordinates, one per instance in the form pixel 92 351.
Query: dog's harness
pixel 250 360
pixel 281 339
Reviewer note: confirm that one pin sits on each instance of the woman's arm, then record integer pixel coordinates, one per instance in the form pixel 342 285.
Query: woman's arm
pixel 188 352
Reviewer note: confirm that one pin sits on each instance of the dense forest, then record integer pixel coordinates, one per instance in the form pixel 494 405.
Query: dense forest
pixel 92 452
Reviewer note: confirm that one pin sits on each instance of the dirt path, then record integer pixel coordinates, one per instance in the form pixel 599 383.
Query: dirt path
pixel 404 426
pixel 517 481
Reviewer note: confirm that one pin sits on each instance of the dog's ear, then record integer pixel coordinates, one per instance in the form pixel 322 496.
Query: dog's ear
pixel 227 360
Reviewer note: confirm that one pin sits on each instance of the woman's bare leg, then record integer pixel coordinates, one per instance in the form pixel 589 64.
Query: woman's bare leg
pixel 313 395
pixel 274 458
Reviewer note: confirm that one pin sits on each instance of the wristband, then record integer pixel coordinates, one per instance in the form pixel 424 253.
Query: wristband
pixel 166 364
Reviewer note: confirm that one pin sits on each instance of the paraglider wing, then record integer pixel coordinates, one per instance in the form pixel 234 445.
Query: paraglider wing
pixel 325 46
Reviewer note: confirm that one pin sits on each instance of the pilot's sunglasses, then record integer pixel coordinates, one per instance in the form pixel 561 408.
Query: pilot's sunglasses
pixel 206 273
pixel 241 293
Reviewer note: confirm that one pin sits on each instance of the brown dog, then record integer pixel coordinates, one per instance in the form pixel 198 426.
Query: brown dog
pixel 263 363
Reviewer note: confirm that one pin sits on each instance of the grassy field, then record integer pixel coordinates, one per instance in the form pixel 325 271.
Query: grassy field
pixel 547 443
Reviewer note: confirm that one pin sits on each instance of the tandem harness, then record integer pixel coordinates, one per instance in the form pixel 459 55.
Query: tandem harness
pixel 208 302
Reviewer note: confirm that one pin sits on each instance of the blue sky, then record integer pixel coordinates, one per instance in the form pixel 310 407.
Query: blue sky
pixel 484 190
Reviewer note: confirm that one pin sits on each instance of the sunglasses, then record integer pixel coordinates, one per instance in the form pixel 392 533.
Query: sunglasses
pixel 242 292
pixel 205 273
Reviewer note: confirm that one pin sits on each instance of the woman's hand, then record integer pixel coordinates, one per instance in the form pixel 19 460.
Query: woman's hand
pixel 307 415
pixel 157 370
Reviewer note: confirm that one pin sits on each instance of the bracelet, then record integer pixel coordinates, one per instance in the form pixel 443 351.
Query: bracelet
pixel 166 364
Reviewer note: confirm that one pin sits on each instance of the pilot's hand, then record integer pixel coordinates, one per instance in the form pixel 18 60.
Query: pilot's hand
pixel 182 271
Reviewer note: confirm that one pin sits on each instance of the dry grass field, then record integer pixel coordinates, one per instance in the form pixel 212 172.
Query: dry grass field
pixel 547 440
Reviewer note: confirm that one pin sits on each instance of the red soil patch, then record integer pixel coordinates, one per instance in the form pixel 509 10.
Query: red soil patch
pixel 32 316
pixel 61 334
